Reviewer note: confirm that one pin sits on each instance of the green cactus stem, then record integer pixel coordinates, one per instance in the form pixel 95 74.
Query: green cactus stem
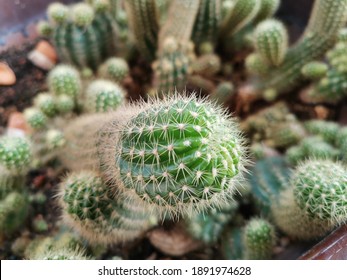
pixel 35 118
pixel 271 41
pixel 314 70
pixel 89 208
pixel 115 69
pixel 103 96
pixel 144 23
pixel 46 103
pixel 180 154
pixel 83 35
pixel 259 239
pixel 207 22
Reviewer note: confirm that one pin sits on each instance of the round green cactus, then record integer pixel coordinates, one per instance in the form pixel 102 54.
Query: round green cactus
pixel 103 96
pixel 46 103
pixel 114 68
pixel 314 70
pixel 65 104
pixel 256 64
pixel 320 189
pixel 259 239
pixel 64 79
pixel 295 222
pixel 271 41
pixel 180 154
pixel 44 28
pixel 35 117
pixel 207 65
pixel 15 152
pixel 89 208
pixel 315 147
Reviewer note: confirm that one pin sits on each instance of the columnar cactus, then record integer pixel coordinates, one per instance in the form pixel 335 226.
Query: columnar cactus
pixel 83 35
pixel 320 35
pixel 267 9
pixel 144 23
pixel 115 69
pixel 103 96
pixel 271 41
pixel 172 67
pixel 89 208
pixel 259 239
pixel 242 13
pixel 207 22
pixel 180 154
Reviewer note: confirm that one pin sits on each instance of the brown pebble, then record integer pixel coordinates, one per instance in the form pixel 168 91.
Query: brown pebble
pixel 47 49
pixel 17 120
pixel 7 76
pixel 322 112
pixel 43 56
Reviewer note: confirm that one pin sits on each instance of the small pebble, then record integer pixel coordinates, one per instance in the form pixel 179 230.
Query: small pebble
pixel 7 76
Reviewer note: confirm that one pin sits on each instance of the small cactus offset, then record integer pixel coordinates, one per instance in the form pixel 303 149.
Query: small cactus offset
pixel 256 64
pixel 327 130
pixel 207 65
pixel 115 69
pixel 89 208
pixel 65 80
pixel 180 154
pixel 314 70
pixel 15 152
pixel 83 34
pixel 259 239
pixel 271 41
pixel 35 118
pixel 103 96
pixel 46 103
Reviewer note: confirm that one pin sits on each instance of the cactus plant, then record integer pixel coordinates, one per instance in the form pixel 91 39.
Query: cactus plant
pixel 327 130
pixel 314 70
pixel 103 96
pixel 271 41
pixel 115 69
pixel 178 155
pixel 46 103
pixel 206 65
pixel 320 35
pixel 259 239
pixel 35 118
pixel 223 92
pixel 144 23
pixel 82 34
pixel 90 209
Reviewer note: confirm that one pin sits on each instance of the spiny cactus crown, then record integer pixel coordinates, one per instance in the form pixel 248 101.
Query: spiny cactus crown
pixel 271 41
pixel 57 12
pixel 65 104
pixel 82 14
pixel 328 130
pixel 46 103
pixel 64 79
pixel 180 154
pixel 35 118
pixel 54 139
pixel 103 96
pixel 320 189
pixel 259 239
pixel 15 152
pixel 61 254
